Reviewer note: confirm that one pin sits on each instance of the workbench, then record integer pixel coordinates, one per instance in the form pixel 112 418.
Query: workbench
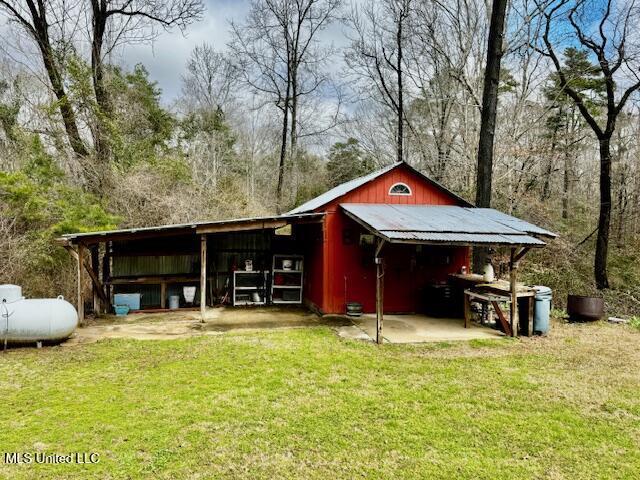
pixel 494 293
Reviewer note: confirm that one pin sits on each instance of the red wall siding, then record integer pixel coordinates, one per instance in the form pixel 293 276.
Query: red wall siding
pixel 377 191
pixel 314 265
pixel 349 273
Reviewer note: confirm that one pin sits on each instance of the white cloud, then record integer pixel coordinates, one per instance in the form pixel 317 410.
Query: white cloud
pixel 166 58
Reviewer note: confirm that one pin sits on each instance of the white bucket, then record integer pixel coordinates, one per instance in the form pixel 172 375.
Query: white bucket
pixel 174 302
pixel 189 294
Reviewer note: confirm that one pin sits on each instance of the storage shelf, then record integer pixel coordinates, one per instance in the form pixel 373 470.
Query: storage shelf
pixel 279 273
pixel 242 293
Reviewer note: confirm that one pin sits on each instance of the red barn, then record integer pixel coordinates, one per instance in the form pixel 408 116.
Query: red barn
pixel 342 268
pixel 394 224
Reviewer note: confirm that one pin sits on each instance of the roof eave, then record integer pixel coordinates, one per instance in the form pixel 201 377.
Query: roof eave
pixel 256 223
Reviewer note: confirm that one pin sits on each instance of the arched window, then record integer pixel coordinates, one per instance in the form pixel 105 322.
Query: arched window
pixel 399 189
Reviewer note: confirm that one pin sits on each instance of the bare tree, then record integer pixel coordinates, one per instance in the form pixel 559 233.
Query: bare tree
pixel 206 98
pixel 376 55
pixel 114 22
pixel 614 46
pixel 279 56
pixel 33 16
pixel 210 78
pixel 444 55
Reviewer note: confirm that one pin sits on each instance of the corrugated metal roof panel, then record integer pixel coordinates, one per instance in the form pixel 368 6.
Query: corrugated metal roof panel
pixel 435 223
pixel 192 225
pixel 341 190
pixel 471 238
pixel 515 222
pixel 426 218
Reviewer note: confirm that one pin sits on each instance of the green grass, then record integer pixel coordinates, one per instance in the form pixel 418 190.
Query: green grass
pixel 305 404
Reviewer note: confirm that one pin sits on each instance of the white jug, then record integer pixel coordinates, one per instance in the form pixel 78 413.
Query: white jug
pixel 489 275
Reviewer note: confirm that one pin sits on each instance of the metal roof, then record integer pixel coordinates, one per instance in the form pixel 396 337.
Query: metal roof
pixel 515 222
pixel 180 227
pixel 444 224
pixel 471 238
pixel 347 187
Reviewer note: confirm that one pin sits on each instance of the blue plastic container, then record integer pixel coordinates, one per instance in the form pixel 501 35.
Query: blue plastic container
pixel 542 310
pixel 132 300
pixel 121 310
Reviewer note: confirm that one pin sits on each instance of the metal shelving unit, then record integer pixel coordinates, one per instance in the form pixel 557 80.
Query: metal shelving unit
pixel 286 283
pixel 246 284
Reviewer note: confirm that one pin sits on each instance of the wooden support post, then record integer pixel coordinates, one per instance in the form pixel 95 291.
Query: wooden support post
pixel 379 292
pixel 513 269
pixel 467 310
pixel 95 266
pixel 106 275
pixel 203 275
pixel 163 294
pixel 81 256
pixel 531 304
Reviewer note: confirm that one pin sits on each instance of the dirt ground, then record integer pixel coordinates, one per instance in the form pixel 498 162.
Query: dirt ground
pixel 188 323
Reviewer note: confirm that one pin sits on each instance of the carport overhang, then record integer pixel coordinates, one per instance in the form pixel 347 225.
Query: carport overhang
pixel 83 247
pixel 446 226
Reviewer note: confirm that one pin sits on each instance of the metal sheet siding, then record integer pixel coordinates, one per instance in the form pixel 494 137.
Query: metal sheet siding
pixel 155 265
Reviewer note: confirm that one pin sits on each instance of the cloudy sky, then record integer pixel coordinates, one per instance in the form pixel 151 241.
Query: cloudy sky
pixel 166 58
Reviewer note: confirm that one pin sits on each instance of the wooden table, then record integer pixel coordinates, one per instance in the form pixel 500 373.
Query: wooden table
pixel 494 293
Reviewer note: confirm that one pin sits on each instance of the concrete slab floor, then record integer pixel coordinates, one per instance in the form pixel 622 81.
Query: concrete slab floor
pixel 416 329
pixel 187 323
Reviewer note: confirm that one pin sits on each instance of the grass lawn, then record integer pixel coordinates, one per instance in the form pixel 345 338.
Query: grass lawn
pixel 303 403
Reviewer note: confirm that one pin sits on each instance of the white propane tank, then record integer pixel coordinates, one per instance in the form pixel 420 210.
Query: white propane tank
pixel 33 320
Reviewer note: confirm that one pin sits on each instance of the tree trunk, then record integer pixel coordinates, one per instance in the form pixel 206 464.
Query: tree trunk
pixel 102 97
pixel 293 152
pixel 400 139
pixel 568 169
pixel 66 110
pixel 283 148
pixel 488 115
pixel 566 183
pixel 604 219
pixel 546 186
